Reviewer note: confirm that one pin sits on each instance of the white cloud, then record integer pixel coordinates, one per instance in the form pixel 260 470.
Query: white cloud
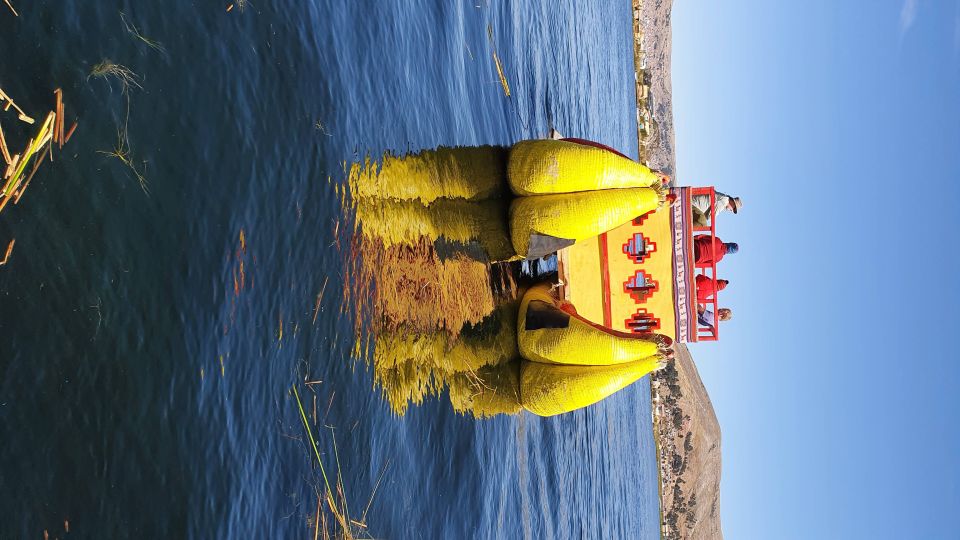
pixel 908 14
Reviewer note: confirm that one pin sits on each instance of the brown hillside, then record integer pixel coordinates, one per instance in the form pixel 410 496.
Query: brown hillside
pixel 689 443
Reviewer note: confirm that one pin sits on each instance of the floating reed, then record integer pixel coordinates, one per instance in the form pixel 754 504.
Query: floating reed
pixel 10 103
pixel 106 69
pixel 36 145
pixel 342 518
pixel 70 133
pixel 16 176
pixel 135 32
pixel 496 61
pixel 503 78
pixel 6 256
pixel 121 151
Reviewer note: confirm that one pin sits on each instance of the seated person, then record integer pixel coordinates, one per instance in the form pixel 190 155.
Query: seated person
pixel 703 256
pixel 700 204
pixel 705 316
pixel 706 289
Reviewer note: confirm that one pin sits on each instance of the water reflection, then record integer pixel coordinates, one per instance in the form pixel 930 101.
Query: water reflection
pixel 436 288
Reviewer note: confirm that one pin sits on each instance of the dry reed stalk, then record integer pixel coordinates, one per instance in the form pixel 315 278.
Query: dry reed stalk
pixel 9 5
pixel 496 61
pixel 125 75
pixel 503 78
pixel 3 148
pixel 16 180
pixel 10 103
pixel 36 167
pixel 11 167
pixel 316 308
pixel 122 152
pixel 340 489
pixel 334 509
pixel 329 404
pixel 316 520
pixel 60 119
pixel 373 494
pixel 6 255
pixel 135 32
pixel 58 93
pixel 70 132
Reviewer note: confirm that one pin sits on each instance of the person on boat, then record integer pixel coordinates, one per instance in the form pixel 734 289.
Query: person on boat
pixel 707 288
pixel 705 316
pixel 704 256
pixel 700 204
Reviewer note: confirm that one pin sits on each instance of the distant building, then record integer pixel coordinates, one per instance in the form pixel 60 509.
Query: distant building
pixel 643 91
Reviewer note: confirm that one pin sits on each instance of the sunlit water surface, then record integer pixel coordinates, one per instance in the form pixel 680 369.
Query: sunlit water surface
pixel 149 341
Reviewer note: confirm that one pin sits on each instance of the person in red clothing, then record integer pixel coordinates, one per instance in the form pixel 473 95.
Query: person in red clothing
pixel 706 289
pixel 702 254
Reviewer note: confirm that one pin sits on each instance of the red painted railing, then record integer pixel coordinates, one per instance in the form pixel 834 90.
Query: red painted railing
pixel 706 333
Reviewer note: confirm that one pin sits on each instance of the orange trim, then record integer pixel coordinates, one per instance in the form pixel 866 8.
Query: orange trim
pixel 621 334
pixel 605 280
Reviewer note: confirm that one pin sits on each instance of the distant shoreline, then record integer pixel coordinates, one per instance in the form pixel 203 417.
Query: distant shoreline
pixel 652 43
pixel 685 429
pixel 638 67
pixel 644 114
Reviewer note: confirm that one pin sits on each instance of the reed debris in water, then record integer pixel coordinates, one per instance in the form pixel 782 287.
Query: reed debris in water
pixel 10 103
pixel 9 5
pixel 16 177
pixel 135 32
pixel 242 4
pixel 6 256
pixel 496 61
pixel 503 78
pixel 337 508
pixel 121 151
pixel 107 69
pixel 36 146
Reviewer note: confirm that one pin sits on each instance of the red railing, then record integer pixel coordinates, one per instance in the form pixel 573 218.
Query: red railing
pixel 708 333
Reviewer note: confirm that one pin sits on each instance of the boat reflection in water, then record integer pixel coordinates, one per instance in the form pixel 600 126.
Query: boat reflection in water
pixel 436 286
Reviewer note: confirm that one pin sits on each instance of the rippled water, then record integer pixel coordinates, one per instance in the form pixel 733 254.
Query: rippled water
pixel 147 352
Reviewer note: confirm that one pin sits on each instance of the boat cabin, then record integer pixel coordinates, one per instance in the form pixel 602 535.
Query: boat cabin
pixel 641 276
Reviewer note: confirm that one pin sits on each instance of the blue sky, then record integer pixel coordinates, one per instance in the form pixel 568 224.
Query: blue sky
pixel 836 384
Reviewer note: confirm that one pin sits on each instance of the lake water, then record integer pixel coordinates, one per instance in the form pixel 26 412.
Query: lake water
pixel 150 335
